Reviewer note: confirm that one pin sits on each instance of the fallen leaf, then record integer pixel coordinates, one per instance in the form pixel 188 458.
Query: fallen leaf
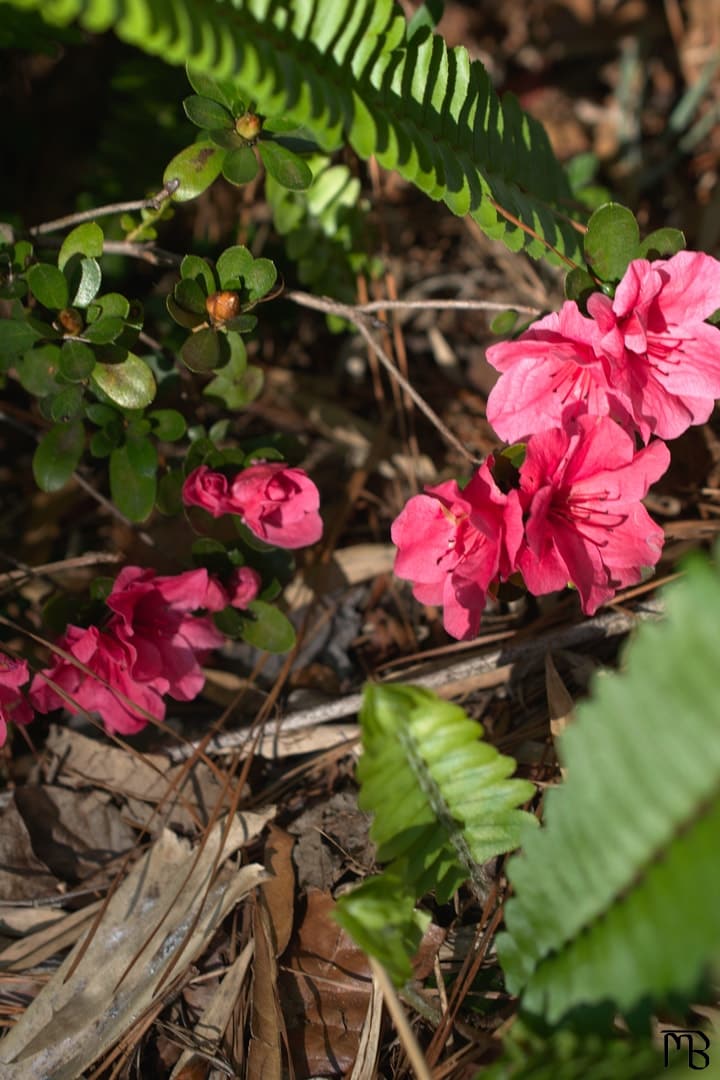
pixel 279 890
pixel 264 1050
pixel 23 876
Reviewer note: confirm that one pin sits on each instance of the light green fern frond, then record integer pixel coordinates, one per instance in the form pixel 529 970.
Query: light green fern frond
pixel 616 898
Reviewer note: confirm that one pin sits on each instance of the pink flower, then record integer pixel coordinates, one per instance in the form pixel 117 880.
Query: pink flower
pixel 153 618
pixel 111 661
pixel 664 358
pixel 551 367
pixel 207 489
pixel 278 504
pixel 646 358
pixel 453 544
pixel 580 490
pixel 238 591
pixel 13 706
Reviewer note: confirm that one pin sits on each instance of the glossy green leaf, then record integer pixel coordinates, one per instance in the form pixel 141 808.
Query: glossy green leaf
pixel 206 113
pixel 86 240
pixel 86 279
pixel 114 304
pixel 130 384
pixel 168 424
pixel 141 454
pixel 38 369
pixel 220 90
pixel 102 444
pixel 107 329
pixel 236 390
pixel 169 499
pixel 663 243
pixel 49 286
pixel 190 297
pixel 232 265
pixel 57 455
pixel 227 140
pixel 611 241
pixel 102 414
pixel 240 166
pixel 67 404
pixel 16 336
pixel 200 271
pixel 579 284
pixel 133 493
pixel 187 319
pixel 77 360
pixel 205 350
pixel 260 278
pixel 268 628
pixel 284 166
pixel 504 322
pixel 242 324
pixel 195 167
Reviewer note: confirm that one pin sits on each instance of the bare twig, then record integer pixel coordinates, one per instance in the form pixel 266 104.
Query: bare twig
pixel 363 322
pixel 442 305
pixel 91 558
pixel 610 623
pixel 153 203
pixel 402 1025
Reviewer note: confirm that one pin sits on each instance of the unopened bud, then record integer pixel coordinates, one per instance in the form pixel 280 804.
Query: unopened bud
pixel 248 126
pixel 222 306
pixel 71 321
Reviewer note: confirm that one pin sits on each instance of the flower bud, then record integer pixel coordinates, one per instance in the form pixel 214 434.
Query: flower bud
pixel 248 126
pixel 71 321
pixel 222 306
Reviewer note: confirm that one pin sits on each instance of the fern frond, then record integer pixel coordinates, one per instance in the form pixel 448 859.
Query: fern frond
pixel 444 803
pixel 616 898
pixel 346 69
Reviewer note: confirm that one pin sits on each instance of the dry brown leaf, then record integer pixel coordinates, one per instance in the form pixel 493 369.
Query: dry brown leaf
pixel 47 940
pixel 279 890
pixel 142 779
pixel 75 833
pixel 211 1026
pixel 158 921
pixel 325 989
pixel 264 1051
pixel 365 1067
pixel 23 876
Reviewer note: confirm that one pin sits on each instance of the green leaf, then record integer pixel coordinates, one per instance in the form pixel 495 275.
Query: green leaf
pixel 199 270
pixel 105 330
pixel 77 360
pixel 67 405
pixel 232 266
pixel 102 415
pixel 267 628
pixel 141 454
pixel 615 899
pixel 110 304
pixel 130 384
pixel 49 286
pixel 85 280
pixel 662 244
pixel 611 241
pixel 260 278
pixel 133 493
pixel 579 285
pixel 284 166
pixel 38 369
pixel 190 296
pixel 195 168
pixel 221 91
pixel 240 166
pixel 16 336
pixel 102 444
pixel 205 350
pixel 380 916
pixel 168 424
pixel 570 1055
pixel 169 493
pixel 206 113
pixel 57 455
pixel 428 15
pixel 504 322
pixel 84 240
pixel 186 319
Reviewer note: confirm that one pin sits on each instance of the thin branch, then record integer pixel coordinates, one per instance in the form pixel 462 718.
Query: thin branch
pixel 360 319
pixel 153 203
pixel 78 562
pixel 146 251
pixel 442 305
pixel 405 1033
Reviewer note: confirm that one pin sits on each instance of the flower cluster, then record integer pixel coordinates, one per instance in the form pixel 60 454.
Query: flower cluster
pixel 13 706
pixel 579 390
pixel 278 504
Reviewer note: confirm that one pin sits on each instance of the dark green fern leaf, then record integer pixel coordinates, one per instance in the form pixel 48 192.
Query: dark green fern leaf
pixel 347 70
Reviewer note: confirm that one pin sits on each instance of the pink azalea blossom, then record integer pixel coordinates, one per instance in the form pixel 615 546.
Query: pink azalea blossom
pixel 453 544
pixel 238 591
pixel 279 504
pixel 664 357
pixel 153 618
pixel 13 705
pixel 580 490
pixel 647 358
pixel 208 489
pixel 113 694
